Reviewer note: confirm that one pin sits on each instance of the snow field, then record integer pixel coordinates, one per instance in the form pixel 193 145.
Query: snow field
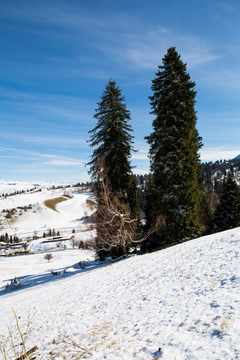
pixel 184 300
pixel 40 218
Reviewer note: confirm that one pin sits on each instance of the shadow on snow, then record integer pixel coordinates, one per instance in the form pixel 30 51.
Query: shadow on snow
pixel 30 281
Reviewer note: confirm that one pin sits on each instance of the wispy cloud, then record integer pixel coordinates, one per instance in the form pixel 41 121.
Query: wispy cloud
pixel 218 153
pixel 222 79
pixel 38 160
pixel 145 50
pixel 60 140
pixel 65 16
pixel 227 7
pixel 38 156
pixel 140 155
pixel 65 162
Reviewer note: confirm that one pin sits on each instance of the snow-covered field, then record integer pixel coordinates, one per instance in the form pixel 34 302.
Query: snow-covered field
pixel 184 300
pixel 31 214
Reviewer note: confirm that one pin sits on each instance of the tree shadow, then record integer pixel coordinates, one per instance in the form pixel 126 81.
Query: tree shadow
pixel 33 280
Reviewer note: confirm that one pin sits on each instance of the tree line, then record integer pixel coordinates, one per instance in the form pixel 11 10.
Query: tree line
pixel 176 205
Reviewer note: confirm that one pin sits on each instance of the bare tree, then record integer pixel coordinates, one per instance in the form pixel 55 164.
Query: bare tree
pixel 116 230
pixel 114 227
pixel 48 257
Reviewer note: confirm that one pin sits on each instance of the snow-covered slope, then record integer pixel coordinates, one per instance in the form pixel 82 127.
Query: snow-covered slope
pixel 32 215
pixel 184 300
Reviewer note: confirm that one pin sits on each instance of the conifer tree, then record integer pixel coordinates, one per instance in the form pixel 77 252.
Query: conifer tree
pixel 206 216
pixel 227 215
pixel 149 198
pixel 112 139
pixel 174 145
pixel 110 168
pixel 134 201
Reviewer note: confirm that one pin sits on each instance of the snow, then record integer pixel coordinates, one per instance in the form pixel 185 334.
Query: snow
pixel 12 186
pixel 179 303
pixel 70 214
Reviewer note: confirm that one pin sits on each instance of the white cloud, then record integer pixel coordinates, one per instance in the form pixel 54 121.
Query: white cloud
pixel 218 153
pixel 65 162
pixel 146 50
pixel 57 140
pixel 39 158
pixel 222 79
pixel 140 156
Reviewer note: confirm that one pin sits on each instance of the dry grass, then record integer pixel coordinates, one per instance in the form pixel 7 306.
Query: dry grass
pixel 51 203
pixel 68 347
pixel 91 204
pixel 15 348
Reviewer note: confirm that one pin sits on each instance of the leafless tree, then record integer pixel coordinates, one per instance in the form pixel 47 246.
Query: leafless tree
pixel 116 230
pixel 48 257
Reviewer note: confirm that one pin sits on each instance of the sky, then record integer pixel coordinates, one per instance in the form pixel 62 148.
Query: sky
pixel 58 55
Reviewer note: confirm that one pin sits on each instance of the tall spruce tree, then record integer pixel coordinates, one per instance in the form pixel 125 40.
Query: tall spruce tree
pixel 174 160
pixel 110 166
pixel 112 139
pixel 227 214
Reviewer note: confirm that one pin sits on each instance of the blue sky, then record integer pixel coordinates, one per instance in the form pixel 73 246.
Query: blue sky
pixel 57 56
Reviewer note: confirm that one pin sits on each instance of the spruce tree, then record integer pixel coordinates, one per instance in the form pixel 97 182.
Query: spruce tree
pixel 110 167
pixel 174 160
pixel 112 139
pixel 227 214
pixel 134 201
pixel 206 216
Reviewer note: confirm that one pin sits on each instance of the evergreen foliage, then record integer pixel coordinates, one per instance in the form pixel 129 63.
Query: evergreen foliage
pixel 134 201
pixel 116 188
pixel 227 215
pixel 149 193
pixel 206 216
pixel 174 160
pixel 111 139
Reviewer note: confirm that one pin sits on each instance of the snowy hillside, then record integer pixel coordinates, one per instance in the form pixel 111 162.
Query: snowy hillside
pixel 24 214
pixel 179 303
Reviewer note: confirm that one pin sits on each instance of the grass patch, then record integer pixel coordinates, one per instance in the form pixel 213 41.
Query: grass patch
pixel 51 203
pixel 92 205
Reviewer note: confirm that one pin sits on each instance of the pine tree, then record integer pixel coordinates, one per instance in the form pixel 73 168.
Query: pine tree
pixel 111 139
pixel 227 215
pixel 174 145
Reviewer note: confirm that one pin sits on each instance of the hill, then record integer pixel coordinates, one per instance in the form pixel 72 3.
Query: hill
pixel 27 210
pixel 178 303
